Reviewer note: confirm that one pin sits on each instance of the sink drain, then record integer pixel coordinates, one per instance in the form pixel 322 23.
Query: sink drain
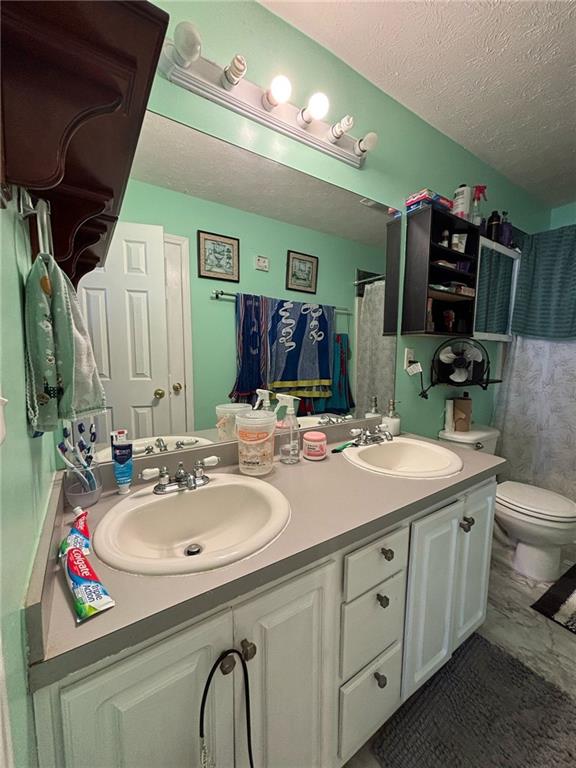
pixel 192 549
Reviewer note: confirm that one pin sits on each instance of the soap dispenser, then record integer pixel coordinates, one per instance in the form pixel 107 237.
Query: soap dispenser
pixel 391 421
pixel 373 412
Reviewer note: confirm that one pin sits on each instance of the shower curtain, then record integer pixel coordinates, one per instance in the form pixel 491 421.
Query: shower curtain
pixel 376 359
pixel 536 404
pixel 536 414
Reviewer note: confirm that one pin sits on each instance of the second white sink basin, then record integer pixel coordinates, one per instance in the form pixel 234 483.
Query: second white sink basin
pixel 406 457
pixel 228 519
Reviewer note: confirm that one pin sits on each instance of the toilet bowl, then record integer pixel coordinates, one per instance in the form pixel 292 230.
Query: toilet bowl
pixel 538 522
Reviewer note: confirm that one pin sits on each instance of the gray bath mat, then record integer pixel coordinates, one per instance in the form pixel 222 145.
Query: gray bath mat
pixel 484 709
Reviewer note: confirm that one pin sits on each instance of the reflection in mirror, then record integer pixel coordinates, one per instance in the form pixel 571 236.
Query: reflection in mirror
pixel 230 272
pixel 497 272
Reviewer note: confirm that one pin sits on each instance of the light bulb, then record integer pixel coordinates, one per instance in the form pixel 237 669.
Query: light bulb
pixel 318 106
pixel 187 44
pixel 366 144
pixel 233 73
pixel 279 92
pixel 340 128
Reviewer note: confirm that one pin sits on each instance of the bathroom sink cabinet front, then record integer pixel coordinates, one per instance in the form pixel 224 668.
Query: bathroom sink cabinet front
pixel 332 651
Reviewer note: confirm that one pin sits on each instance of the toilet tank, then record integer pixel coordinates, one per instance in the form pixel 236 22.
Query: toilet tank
pixel 479 439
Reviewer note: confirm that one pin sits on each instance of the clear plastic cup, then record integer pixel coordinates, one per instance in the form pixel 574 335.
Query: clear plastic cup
pixel 255 432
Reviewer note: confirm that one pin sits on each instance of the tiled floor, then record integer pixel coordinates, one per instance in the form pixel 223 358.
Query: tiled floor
pixel 541 644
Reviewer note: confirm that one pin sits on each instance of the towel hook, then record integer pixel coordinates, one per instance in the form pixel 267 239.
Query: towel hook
pixel 41 210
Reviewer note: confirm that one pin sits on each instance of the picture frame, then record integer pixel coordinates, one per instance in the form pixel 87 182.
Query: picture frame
pixel 301 272
pixel 218 257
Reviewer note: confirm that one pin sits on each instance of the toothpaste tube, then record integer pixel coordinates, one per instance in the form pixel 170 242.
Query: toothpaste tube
pixel 89 595
pixel 79 536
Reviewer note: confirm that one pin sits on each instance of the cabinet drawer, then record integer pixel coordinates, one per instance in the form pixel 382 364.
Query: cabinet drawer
pixel 370 565
pixel 371 623
pixel 364 705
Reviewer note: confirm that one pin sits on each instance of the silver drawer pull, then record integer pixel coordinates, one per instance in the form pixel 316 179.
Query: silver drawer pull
pixel 382 680
pixel 388 553
pixel 384 600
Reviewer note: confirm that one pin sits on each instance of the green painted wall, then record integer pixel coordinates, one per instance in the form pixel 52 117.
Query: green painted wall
pixel 563 216
pixel 213 337
pixel 411 154
pixel 26 468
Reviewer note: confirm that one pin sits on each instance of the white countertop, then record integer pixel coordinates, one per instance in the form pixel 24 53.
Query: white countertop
pixel 333 504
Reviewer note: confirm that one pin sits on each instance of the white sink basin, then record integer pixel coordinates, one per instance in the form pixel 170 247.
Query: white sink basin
pixel 230 518
pixel 406 457
pixel 138 446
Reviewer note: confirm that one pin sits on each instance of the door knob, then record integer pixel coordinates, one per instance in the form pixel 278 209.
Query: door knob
pixel 159 394
pixel 388 553
pixel 382 680
pixel 177 388
pixel 384 600
pixel 248 650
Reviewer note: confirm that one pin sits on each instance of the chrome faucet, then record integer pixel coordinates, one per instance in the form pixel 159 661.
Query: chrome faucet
pixel 366 437
pixel 334 418
pixel 182 480
pixel 161 443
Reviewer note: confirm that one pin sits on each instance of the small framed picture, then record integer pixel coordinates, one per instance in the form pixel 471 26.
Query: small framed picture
pixel 218 257
pixel 301 272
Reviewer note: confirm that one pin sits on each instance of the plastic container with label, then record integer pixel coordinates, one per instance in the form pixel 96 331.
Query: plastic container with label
pixel 226 419
pixel 314 446
pixel 255 433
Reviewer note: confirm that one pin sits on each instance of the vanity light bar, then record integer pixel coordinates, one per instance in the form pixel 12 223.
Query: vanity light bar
pixel 229 88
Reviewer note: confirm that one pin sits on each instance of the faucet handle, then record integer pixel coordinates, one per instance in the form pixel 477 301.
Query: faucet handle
pixel 149 474
pixel 209 461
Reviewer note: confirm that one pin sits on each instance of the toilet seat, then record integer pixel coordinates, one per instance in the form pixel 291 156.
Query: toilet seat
pixel 536 503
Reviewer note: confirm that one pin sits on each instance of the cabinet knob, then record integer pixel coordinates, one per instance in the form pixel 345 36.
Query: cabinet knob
pixel 466 524
pixel 382 680
pixel 478 446
pixel 227 664
pixel 384 600
pixel 388 553
pixel 248 650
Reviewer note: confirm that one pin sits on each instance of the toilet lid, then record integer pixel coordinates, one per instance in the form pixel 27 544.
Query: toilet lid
pixel 538 501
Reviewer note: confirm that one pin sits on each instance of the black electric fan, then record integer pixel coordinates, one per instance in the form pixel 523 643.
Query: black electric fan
pixel 460 363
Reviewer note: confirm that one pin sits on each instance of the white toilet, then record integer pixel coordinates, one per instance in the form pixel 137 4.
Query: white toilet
pixel 538 522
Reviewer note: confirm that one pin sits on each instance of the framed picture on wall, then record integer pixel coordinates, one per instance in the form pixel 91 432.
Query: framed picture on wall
pixel 301 272
pixel 218 257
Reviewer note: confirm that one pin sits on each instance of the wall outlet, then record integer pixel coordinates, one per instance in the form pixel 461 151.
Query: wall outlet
pixel 408 356
pixel 263 263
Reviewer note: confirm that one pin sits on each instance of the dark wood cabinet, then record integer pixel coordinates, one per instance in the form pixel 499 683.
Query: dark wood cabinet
pixel 439 280
pixel 392 284
pixel 76 76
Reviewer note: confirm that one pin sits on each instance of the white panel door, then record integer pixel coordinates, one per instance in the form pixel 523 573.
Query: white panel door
pixel 143 712
pixel 431 580
pixel 124 304
pixel 293 674
pixel 473 569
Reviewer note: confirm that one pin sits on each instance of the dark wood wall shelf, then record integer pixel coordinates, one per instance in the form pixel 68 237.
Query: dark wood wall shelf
pixel 76 76
pixel 427 310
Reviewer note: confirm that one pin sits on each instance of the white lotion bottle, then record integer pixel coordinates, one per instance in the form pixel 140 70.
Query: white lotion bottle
pixel 391 421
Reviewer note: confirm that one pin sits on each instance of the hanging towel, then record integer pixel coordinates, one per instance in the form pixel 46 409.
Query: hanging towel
pixel 341 400
pixel 300 348
pixel 62 380
pixel 251 347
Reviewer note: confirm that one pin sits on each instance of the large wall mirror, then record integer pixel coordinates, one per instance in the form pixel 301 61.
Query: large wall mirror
pixel 202 222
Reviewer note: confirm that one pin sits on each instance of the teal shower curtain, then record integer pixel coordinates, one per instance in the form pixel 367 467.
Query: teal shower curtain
pixel 545 306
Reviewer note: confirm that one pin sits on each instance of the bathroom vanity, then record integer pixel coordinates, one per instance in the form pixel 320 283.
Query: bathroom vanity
pixel 372 585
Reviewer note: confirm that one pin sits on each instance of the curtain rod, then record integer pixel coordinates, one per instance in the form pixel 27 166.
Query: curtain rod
pixel 368 279
pixel 218 295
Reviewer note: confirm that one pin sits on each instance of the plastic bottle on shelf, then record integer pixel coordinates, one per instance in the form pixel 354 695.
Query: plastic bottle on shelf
pixel 478 195
pixel 493 228
pixel 392 419
pixel 289 430
pixel 505 234
pixel 462 201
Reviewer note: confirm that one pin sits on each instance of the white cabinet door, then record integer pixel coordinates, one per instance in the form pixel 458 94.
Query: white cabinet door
pixel 292 675
pixel 473 568
pixel 143 711
pixel 431 579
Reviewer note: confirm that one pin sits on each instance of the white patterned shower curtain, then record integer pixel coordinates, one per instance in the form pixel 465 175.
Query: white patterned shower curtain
pixel 376 358
pixel 536 414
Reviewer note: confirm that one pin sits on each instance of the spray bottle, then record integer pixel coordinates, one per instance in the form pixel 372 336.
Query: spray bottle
pixel 289 430
pixel 263 399
pixel 478 195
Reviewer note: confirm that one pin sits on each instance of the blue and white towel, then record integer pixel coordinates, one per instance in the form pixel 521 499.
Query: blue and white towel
pixel 300 338
pixel 251 347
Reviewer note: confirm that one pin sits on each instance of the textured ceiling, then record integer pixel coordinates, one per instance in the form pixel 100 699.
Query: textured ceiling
pixel 497 77
pixel 177 157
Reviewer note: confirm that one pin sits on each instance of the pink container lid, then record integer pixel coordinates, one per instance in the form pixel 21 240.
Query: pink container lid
pixel 314 437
